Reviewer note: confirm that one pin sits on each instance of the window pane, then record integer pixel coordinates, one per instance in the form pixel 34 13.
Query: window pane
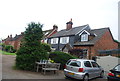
pixel 75 63
pixel 117 68
pixel 54 41
pixel 84 37
pixel 87 64
pixel 94 64
pixel 64 40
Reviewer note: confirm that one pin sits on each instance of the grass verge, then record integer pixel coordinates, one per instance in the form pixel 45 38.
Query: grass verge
pixel 6 53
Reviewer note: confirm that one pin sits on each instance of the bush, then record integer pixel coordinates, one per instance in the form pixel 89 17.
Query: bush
pixel 9 48
pixel 46 47
pixel 60 57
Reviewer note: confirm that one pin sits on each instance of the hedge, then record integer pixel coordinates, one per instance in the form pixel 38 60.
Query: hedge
pixel 60 57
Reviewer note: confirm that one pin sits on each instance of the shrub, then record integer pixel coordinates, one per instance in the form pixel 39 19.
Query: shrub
pixel 46 47
pixel 60 57
pixel 9 48
pixel 3 46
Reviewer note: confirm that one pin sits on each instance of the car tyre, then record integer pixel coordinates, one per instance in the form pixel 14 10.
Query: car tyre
pixel 102 74
pixel 66 77
pixel 86 78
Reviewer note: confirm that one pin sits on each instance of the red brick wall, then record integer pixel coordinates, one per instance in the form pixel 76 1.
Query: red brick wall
pixel 90 50
pixel 17 42
pixel 105 43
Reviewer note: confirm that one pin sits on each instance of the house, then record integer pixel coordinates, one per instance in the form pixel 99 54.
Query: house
pixel 48 33
pixel 96 40
pixel 16 41
pixel 69 36
pixel 90 41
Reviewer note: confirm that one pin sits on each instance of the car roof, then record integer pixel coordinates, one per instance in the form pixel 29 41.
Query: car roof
pixel 82 60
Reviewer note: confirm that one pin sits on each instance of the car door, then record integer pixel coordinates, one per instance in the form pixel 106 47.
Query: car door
pixel 89 69
pixel 96 69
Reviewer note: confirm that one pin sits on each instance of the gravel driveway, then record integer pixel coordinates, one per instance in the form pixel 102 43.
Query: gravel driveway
pixel 9 73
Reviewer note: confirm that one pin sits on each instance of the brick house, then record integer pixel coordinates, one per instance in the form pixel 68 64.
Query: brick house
pixel 90 41
pixel 15 41
pixel 101 40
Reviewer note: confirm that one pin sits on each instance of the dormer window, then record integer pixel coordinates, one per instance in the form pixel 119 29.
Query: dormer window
pixel 84 37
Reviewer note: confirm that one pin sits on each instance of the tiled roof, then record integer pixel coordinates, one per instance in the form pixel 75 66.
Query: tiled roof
pixel 16 37
pixel 47 32
pixel 97 32
pixel 69 32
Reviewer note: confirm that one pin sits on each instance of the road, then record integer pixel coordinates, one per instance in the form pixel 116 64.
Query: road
pixel 9 73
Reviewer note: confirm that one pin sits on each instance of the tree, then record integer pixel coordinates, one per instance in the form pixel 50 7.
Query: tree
pixel 31 49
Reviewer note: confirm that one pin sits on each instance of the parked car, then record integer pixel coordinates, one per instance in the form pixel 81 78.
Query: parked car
pixel 83 69
pixel 114 74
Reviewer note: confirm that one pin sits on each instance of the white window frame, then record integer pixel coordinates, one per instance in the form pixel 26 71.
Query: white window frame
pixel 45 41
pixel 64 40
pixel 54 41
pixel 84 37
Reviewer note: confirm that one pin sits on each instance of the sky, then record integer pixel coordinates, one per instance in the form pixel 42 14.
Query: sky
pixel 15 15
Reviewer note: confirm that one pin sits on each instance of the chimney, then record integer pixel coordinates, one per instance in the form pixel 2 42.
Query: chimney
pixel 22 33
pixel 69 24
pixel 11 36
pixel 8 36
pixel 55 27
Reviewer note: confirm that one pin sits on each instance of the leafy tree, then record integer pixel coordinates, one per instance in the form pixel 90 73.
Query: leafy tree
pixel 31 49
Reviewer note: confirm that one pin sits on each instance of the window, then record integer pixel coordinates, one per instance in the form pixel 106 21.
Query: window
pixel 117 68
pixel 95 64
pixel 75 63
pixel 64 40
pixel 87 64
pixel 45 40
pixel 84 37
pixel 54 41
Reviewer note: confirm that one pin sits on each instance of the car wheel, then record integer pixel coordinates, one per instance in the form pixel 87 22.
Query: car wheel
pixel 102 74
pixel 86 78
pixel 66 77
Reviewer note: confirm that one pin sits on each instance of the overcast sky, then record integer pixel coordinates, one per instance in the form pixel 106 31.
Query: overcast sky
pixel 16 14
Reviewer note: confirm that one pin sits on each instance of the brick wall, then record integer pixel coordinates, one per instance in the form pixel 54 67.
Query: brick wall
pixel 106 42
pixel 17 42
pixel 90 50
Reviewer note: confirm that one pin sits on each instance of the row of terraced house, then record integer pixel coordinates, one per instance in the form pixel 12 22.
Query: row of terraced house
pixel 90 41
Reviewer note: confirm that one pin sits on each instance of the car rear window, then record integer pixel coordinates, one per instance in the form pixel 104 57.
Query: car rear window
pixel 117 68
pixel 75 63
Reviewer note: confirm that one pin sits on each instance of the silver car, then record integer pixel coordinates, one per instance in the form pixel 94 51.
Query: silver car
pixel 83 69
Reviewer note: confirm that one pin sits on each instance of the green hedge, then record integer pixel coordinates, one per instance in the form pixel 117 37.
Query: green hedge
pixel 9 48
pixel 61 57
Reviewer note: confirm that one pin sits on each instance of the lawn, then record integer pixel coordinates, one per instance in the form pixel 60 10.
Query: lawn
pixel 7 53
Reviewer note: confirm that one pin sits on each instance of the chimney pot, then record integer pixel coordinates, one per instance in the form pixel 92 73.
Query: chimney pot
pixel 55 27
pixel 11 36
pixel 69 24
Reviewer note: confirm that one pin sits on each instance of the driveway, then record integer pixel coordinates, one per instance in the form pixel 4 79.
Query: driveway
pixel 8 72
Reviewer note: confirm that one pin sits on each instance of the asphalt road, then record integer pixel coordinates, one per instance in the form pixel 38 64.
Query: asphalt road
pixel 9 74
